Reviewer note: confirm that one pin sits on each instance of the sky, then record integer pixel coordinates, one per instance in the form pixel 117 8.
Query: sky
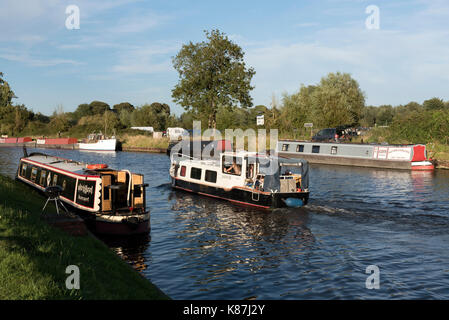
pixel 123 49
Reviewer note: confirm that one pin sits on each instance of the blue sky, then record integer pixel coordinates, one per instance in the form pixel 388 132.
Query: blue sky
pixel 123 49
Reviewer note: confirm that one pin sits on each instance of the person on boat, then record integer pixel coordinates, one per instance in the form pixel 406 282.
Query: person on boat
pixel 234 169
pixel 258 185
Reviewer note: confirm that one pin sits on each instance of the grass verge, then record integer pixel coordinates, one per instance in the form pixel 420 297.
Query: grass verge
pixel 34 257
pixel 142 141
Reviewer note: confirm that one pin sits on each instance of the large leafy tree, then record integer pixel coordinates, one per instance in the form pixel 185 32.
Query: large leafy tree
pixel 212 73
pixel 338 100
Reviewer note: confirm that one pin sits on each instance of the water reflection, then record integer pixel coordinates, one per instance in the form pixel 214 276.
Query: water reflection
pixel 220 238
pixel 112 154
pixel 131 249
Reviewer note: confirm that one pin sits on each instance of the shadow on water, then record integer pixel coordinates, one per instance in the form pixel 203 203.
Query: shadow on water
pixel 131 249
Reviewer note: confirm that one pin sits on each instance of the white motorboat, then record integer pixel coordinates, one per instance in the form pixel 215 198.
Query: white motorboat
pixel 98 142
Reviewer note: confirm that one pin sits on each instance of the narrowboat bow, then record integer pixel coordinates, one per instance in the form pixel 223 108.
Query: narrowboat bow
pixel 110 201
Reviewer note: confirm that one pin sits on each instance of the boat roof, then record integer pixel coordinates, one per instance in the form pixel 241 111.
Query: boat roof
pixel 61 163
pixel 359 144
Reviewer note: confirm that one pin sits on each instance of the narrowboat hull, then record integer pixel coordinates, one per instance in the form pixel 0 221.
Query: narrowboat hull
pixel 241 195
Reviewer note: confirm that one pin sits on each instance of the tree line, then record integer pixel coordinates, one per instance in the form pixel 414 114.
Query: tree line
pixel 214 87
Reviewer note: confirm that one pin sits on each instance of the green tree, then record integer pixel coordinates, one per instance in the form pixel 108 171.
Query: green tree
pixel 59 120
pixel 111 122
pixel 123 106
pixel 6 94
pixel 212 73
pixel 297 109
pixel 434 104
pixel 83 110
pixel 385 115
pixel 99 107
pixel 337 101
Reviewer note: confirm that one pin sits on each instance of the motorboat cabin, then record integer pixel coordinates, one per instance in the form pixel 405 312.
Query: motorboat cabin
pixel 244 178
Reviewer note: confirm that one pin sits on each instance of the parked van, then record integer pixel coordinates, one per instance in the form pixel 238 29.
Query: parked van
pixel 176 133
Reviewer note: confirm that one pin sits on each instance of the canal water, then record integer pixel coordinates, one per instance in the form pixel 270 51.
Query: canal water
pixel 357 218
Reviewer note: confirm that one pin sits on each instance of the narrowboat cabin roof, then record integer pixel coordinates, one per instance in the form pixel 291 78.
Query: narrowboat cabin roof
pixel 71 166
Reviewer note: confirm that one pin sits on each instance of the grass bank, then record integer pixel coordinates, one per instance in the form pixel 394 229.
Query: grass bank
pixel 34 256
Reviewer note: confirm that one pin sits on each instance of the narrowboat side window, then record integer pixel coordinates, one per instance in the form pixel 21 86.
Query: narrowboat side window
pixel 64 184
pixel 33 174
pixel 334 150
pixel 300 148
pixel 55 180
pixel 24 169
pixel 211 176
pixel 234 167
pixel 285 147
pixel 195 173
pixel 43 178
pixel 183 171
pixel 315 149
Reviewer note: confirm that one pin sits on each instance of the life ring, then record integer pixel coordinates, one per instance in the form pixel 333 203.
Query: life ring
pixel 96 166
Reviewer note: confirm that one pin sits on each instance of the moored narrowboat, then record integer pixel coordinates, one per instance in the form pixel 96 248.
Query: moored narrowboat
pixel 244 178
pixel 407 157
pixel 110 201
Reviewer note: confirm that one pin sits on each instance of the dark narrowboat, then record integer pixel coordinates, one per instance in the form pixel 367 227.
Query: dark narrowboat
pixel 110 201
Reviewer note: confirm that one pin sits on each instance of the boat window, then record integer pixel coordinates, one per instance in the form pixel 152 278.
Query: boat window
pixel 64 184
pixel 33 173
pixel 285 147
pixel 24 169
pixel 195 173
pixel 300 148
pixel 334 150
pixel 55 180
pixel 315 149
pixel 232 167
pixel 211 176
pixel 43 178
pixel 183 171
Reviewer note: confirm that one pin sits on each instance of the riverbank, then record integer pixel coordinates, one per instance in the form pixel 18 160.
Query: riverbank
pixel 34 257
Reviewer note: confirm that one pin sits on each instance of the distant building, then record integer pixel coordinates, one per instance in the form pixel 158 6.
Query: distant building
pixel 149 129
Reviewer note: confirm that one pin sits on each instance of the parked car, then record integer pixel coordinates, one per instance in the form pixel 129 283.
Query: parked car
pixel 332 135
pixel 326 135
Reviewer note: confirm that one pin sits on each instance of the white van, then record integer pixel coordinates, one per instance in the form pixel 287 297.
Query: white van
pixel 176 133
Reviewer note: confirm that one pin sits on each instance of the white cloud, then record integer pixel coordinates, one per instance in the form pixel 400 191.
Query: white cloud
pixel 379 61
pixel 36 62
pixel 146 59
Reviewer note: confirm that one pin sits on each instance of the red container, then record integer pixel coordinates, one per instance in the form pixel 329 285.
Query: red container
pixel 24 139
pixel 10 140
